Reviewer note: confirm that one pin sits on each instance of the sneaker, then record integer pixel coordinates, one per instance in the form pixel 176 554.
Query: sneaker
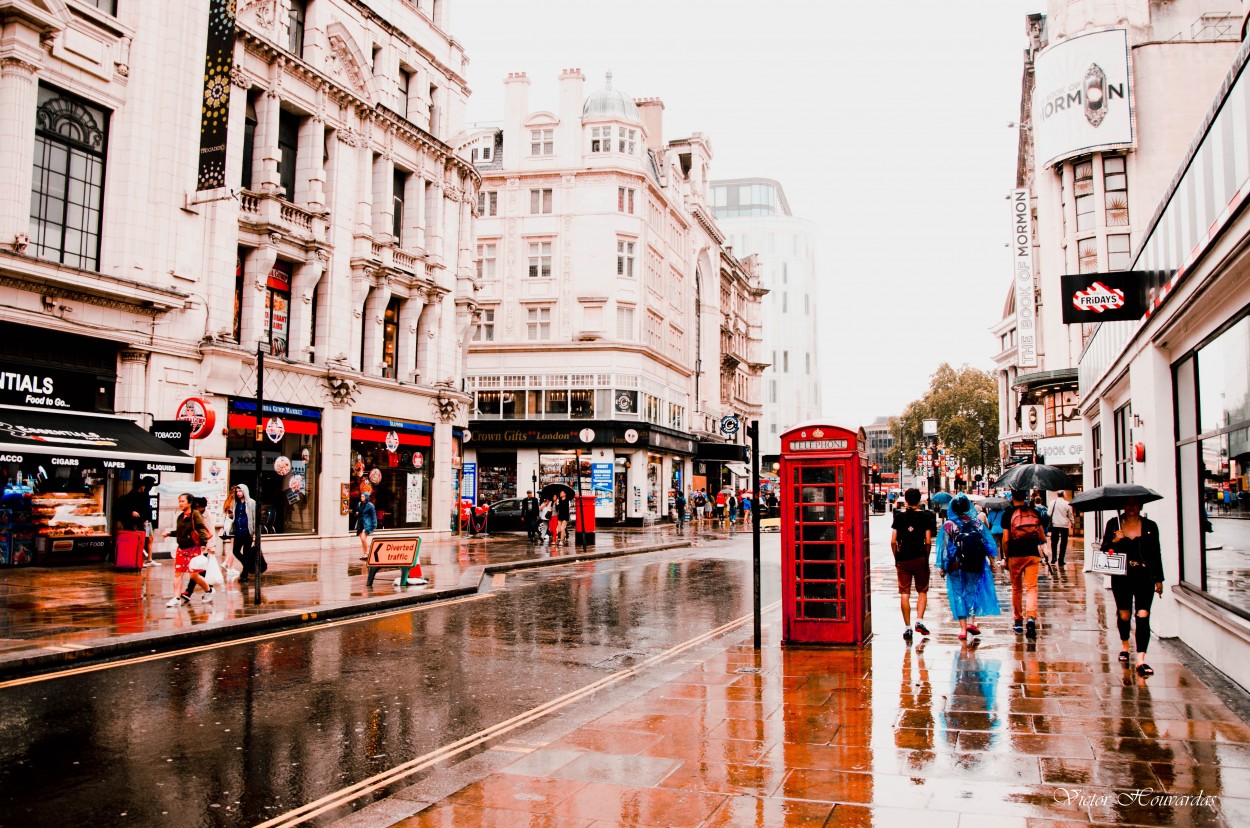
pixel 1017 627
pixel 1031 628
pixel 907 634
pixel 921 628
pixel 208 596
pixel 178 600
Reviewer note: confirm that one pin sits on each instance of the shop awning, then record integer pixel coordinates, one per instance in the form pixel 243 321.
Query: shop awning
pixel 66 438
pixel 738 469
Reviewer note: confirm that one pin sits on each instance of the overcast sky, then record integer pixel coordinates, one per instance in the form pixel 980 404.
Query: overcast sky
pixel 886 124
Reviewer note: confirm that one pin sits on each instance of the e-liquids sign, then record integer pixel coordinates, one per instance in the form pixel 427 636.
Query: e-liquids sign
pixel 215 105
pixel 1022 257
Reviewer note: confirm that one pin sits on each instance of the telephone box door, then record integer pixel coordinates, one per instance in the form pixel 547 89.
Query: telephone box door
pixel 826 578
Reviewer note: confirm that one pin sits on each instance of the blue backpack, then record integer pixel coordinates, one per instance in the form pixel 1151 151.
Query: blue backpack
pixel 966 549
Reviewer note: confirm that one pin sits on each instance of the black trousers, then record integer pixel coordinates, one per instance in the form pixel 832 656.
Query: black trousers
pixel 1058 544
pixel 1134 592
pixel 245 551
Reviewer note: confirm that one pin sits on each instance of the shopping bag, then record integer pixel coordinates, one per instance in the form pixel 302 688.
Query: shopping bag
pixel 213 574
pixel 199 563
pixel 1110 563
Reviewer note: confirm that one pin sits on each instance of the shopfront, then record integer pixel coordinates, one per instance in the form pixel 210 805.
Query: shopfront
pixel 393 460
pixel 287 493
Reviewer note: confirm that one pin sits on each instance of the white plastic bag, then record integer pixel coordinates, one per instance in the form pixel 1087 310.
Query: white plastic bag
pixel 199 563
pixel 213 575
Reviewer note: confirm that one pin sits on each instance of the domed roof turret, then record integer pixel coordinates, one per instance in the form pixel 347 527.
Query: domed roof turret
pixel 610 103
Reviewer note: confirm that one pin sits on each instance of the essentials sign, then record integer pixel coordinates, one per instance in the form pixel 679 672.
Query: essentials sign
pixel 46 388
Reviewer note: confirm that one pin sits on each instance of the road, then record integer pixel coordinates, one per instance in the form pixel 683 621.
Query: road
pixel 241 733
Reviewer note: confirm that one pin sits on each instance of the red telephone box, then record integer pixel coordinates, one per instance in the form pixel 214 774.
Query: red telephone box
pixel 825 500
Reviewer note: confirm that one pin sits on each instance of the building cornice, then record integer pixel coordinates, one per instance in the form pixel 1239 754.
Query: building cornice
pixel 38 276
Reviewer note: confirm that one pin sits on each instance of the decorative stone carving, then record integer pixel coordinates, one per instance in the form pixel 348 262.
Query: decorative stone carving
pixel 264 12
pixel 240 78
pixel 342 391
pixel 445 408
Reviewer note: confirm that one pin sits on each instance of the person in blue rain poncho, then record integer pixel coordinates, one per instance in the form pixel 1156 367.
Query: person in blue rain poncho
pixel 970 583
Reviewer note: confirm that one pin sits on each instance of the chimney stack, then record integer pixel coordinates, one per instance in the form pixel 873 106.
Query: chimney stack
pixel 652 112
pixel 515 108
pixel 572 99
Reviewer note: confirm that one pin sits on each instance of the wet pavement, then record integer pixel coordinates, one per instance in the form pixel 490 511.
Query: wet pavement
pixel 53 616
pixel 1000 731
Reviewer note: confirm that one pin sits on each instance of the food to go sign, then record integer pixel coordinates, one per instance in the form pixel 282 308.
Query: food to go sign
pixel 1061 451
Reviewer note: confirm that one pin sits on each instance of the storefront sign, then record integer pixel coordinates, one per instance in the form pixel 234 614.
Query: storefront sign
pixel 631 435
pixel 392 442
pixel 1022 450
pixel 47 387
pixel 1081 96
pixel 1032 420
pixel 199 414
pixel 176 433
pixel 817 445
pixel 282 466
pixel 1061 451
pixel 468 485
pixel 1022 279
pixel 1109 297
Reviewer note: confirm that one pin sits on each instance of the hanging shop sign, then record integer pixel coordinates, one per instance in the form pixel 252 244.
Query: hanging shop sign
pixel 177 433
pixel 1081 96
pixel 199 414
pixel 1117 296
pixel 275 429
pixel 215 104
pixel 282 466
pixel 392 442
pixel 1061 451
pixel 1022 280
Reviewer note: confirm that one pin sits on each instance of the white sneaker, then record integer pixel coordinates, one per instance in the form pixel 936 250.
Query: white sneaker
pixel 208 596
pixel 177 600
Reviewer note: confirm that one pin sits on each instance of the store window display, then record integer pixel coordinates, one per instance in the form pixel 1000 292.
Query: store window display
pixel 286 494
pixel 392 460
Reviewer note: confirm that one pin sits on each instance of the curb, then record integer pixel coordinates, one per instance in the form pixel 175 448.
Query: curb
pixel 24 665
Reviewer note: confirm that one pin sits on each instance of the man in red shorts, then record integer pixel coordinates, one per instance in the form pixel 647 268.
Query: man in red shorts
pixel 911 540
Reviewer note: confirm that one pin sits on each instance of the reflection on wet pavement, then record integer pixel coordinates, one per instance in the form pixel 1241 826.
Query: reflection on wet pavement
pixel 997 731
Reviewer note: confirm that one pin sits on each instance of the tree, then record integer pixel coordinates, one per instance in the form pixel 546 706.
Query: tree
pixel 964 401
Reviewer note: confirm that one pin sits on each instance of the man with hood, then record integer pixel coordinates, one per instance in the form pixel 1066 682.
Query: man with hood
pixel 244 527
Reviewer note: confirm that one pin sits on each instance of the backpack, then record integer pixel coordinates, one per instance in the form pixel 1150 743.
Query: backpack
pixel 966 549
pixel 1026 525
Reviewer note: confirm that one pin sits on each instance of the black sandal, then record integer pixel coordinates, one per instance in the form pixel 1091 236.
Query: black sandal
pixel 1145 670
pixel 1124 656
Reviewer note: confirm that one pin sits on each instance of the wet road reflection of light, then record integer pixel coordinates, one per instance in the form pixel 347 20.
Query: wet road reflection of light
pixel 239 734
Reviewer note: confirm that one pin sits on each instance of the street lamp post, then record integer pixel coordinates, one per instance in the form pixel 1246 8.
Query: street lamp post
pixel 259 558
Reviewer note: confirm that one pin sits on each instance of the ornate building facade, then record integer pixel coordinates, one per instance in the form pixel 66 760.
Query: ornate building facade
pixel 616 330
pixel 334 233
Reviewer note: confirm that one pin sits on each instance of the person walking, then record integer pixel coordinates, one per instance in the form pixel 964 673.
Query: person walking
pixel 192 538
pixel 134 513
pixel 562 519
pixel 994 522
pixel 1023 536
pixel 731 508
pixel 966 555
pixel 748 504
pixel 529 514
pixel 1137 538
pixel 911 537
pixel 366 523
pixel 679 506
pixel 699 498
pixel 1060 525
pixel 242 513
pixel 718 512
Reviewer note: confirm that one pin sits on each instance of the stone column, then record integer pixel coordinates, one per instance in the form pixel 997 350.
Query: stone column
pixel 373 325
pixel 383 193
pixel 19 67
pixel 131 398
pixel 427 338
pixel 255 282
pixel 434 223
pixel 303 288
pixel 265 169
pixel 364 182
pixel 408 344
pixel 311 180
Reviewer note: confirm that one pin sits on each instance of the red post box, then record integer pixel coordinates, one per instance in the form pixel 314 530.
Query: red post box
pixel 585 534
pixel 825 500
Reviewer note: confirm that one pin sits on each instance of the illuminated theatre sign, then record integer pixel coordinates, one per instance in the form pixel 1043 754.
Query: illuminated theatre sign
pixel 1081 97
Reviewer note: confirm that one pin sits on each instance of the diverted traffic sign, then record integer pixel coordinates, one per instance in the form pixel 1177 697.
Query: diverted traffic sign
pixel 394 552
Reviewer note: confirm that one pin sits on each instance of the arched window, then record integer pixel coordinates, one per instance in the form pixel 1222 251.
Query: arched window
pixel 68 191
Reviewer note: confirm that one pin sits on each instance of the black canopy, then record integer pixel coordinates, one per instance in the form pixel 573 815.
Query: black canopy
pixel 67 438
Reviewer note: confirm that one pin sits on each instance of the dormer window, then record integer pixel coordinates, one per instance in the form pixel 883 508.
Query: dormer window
pixel 482 152
pixel 601 139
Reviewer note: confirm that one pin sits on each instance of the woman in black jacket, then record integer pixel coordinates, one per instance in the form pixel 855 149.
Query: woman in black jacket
pixel 1137 538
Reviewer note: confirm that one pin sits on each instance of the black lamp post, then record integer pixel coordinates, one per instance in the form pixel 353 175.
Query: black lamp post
pixel 259 558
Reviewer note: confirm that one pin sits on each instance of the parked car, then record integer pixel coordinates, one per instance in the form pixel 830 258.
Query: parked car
pixel 505 516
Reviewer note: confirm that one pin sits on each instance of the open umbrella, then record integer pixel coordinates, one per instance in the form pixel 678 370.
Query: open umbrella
pixel 1035 476
pixel 941 498
pixel 1112 497
pixel 552 489
pixel 991 503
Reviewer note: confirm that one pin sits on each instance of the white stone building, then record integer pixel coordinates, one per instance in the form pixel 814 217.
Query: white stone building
pixel 339 240
pixel 757 220
pixel 1087 181
pixel 614 325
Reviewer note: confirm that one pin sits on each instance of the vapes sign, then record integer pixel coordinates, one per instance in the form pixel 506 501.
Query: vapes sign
pixel 1081 97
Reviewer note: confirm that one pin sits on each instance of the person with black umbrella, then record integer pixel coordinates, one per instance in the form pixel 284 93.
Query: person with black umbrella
pixel 1137 538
